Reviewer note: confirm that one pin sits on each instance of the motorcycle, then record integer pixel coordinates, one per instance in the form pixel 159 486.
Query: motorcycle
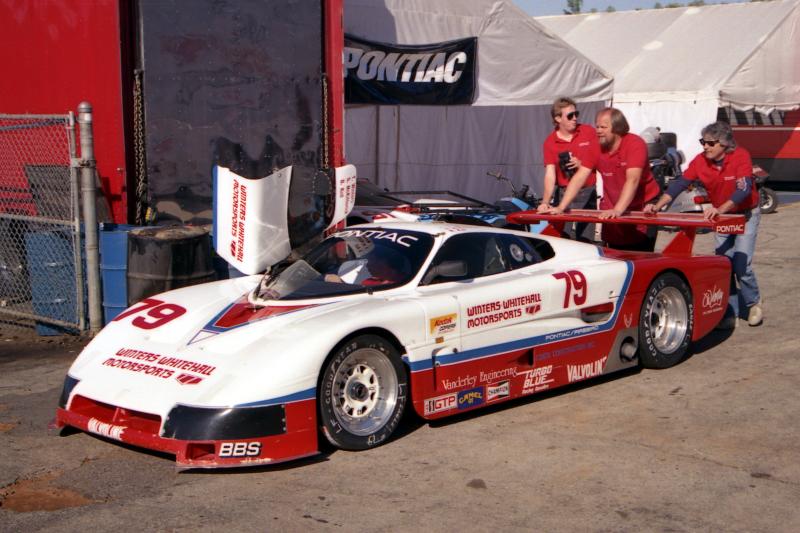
pixel 767 198
pixel 665 163
pixel 521 199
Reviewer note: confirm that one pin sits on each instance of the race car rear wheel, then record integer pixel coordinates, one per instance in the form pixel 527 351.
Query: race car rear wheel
pixel 363 393
pixel 665 322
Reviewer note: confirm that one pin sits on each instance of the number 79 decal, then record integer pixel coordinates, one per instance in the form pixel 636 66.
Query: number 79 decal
pixel 158 313
pixel 574 280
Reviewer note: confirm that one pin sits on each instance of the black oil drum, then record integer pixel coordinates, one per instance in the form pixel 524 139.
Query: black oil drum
pixel 165 258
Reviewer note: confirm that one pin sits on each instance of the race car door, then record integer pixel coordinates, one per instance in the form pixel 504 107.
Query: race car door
pixel 497 306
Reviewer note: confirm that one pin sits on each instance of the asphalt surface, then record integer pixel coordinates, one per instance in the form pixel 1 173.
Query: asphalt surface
pixel 787 197
pixel 712 444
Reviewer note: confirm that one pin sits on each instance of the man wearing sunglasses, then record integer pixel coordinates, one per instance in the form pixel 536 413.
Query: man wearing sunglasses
pixel 570 156
pixel 628 183
pixel 726 171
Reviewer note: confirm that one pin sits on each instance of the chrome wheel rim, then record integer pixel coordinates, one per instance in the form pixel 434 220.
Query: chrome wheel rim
pixel 364 391
pixel 667 318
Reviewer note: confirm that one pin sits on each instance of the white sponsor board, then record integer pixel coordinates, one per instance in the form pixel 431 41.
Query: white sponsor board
pixel 251 230
pixel 345 198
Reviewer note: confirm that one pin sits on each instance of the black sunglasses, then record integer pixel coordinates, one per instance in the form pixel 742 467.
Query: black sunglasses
pixel 704 142
pixel 573 114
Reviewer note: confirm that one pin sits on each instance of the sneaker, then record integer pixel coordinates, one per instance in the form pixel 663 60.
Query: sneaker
pixel 728 322
pixel 756 316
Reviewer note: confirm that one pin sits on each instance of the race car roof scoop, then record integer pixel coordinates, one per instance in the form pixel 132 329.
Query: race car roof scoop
pixel 680 245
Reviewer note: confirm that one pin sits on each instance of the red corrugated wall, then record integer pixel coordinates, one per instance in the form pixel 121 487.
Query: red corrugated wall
pixel 57 53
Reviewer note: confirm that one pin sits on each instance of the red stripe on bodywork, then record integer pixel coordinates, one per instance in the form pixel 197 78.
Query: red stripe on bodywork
pixel 243 312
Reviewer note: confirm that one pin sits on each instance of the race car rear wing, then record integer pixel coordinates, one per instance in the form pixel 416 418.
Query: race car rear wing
pixel 680 245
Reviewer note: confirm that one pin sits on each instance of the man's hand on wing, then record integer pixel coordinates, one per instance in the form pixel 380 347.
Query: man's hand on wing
pixel 710 212
pixel 610 213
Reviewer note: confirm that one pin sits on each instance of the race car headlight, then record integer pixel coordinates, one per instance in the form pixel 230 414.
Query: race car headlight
pixel 200 423
pixel 69 384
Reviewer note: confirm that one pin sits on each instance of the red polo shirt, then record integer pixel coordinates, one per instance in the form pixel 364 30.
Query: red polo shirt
pixel 632 153
pixel 722 181
pixel 583 145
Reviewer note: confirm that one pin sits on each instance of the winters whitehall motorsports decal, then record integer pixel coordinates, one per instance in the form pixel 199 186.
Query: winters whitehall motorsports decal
pixel 428 74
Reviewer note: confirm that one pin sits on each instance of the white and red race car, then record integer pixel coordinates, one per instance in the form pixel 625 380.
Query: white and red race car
pixel 379 318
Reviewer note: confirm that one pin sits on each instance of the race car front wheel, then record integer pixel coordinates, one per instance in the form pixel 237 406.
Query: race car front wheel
pixel 363 393
pixel 665 322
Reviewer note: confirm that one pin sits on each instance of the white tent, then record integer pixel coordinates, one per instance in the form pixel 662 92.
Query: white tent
pixel 521 67
pixel 674 67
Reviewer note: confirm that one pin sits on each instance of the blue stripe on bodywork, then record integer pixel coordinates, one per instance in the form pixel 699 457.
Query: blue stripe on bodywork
pixel 307 394
pixel 530 342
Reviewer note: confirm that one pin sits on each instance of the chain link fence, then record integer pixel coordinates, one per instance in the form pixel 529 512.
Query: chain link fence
pixel 41 266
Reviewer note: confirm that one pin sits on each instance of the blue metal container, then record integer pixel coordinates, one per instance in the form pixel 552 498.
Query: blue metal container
pixel 113 268
pixel 51 270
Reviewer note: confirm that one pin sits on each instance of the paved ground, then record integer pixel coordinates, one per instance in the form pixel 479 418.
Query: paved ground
pixel 712 444
pixel 788 197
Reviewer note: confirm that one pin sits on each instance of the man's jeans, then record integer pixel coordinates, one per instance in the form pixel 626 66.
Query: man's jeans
pixel 740 249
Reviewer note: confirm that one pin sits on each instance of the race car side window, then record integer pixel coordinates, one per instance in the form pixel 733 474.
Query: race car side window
pixel 525 251
pixel 480 253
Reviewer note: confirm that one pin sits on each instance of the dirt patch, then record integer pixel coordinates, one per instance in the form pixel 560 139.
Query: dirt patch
pixel 38 494
pixel 19 346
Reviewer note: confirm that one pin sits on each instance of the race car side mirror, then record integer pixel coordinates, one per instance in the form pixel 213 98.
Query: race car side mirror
pixel 445 271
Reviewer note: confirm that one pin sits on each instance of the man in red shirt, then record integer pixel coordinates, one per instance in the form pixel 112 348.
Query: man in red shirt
pixel 726 171
pixel 570 156
pixel 628 183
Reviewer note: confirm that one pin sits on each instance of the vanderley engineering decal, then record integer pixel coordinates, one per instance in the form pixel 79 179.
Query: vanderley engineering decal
pixel 428 74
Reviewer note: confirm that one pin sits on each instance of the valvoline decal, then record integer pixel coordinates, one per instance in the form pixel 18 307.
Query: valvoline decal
pixel 470 398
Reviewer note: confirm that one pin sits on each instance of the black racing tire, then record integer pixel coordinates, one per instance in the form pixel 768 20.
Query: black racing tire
pixel 768 200
pixel 363 393
pixel 666 321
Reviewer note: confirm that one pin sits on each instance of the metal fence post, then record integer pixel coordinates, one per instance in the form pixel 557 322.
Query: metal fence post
pixel 88 195
pixel 75 209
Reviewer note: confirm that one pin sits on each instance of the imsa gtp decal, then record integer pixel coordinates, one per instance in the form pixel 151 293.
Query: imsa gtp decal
pixel 441 403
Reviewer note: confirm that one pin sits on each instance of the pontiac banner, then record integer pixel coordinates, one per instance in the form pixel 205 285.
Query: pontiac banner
pixel 430 74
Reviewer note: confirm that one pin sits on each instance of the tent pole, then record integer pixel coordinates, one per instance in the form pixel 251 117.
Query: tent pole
pixel 377 145
pixel 397 150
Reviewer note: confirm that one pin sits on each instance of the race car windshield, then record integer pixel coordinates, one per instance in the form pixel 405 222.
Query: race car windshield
pixel 351 261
